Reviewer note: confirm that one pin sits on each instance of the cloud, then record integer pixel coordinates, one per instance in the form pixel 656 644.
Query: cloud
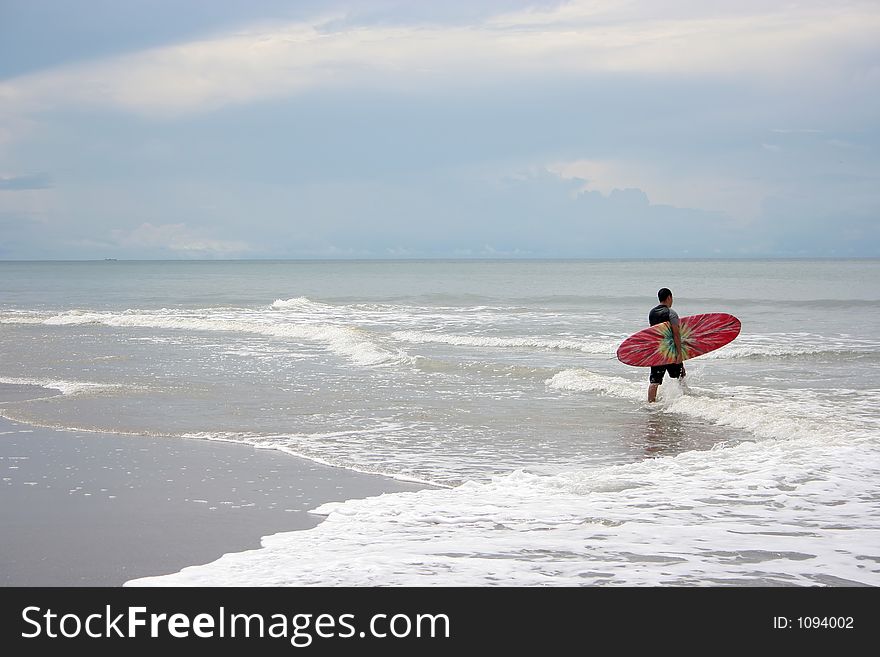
pixel 177 239
pixel 537 214
pixel 393 130
pixel 737 197
pixel 18 183
pixel 278 61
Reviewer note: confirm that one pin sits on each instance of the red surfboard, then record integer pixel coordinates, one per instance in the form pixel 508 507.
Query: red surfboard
pixel 700 334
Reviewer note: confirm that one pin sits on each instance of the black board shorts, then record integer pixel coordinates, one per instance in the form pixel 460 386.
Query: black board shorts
pixel 657 372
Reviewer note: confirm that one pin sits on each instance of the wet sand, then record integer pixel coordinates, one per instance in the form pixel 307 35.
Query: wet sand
pixel 90 509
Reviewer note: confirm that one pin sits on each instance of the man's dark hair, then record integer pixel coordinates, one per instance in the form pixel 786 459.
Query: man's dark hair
pixel 664 294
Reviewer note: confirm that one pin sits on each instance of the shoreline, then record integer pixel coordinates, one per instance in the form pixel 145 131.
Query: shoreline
pixel 99 509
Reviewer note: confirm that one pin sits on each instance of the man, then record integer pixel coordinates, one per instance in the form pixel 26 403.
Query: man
pixel 658 315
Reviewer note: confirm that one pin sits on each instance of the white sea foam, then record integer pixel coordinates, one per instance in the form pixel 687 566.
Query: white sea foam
pixel 753 513
pixel 350 341
pixel 300 303
pixel 22 317
pixel 64 387
pixel 604 347
pixel 338 328
pixel 775 417
pixel 586 381
pixel 791 345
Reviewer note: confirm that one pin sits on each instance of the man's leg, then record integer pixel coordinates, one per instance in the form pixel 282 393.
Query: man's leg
pixel 655 380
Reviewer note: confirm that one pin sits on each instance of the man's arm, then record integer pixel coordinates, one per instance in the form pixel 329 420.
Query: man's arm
pixel 676 337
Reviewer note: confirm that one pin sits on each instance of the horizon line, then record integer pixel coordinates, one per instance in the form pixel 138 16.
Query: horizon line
pixel 453 259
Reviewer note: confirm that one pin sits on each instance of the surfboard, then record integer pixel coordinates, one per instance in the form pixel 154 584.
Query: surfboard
pixel 700 334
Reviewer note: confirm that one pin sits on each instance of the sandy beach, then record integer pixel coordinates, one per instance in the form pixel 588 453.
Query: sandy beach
pixel 91 509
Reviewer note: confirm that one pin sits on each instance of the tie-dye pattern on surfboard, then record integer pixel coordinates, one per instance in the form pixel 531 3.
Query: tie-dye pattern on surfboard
pixel 700 334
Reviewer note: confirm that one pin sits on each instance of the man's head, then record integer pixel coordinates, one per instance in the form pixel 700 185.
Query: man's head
pixel 665 296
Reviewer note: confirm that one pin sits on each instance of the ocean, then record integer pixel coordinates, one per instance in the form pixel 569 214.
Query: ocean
pixel 495 383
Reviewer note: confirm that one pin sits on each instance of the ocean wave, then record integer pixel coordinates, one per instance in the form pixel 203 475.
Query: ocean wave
pixel 63 386
pixel 793 345
pixel 754 347
pixel 602 347
pixel 760 352
pixel 413 314
pixel 352 342
pixel 778 418
pixel 585 381
pixel 23 317
pixel 299 303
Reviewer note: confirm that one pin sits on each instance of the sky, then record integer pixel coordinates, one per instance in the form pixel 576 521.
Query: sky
pixel 225 129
